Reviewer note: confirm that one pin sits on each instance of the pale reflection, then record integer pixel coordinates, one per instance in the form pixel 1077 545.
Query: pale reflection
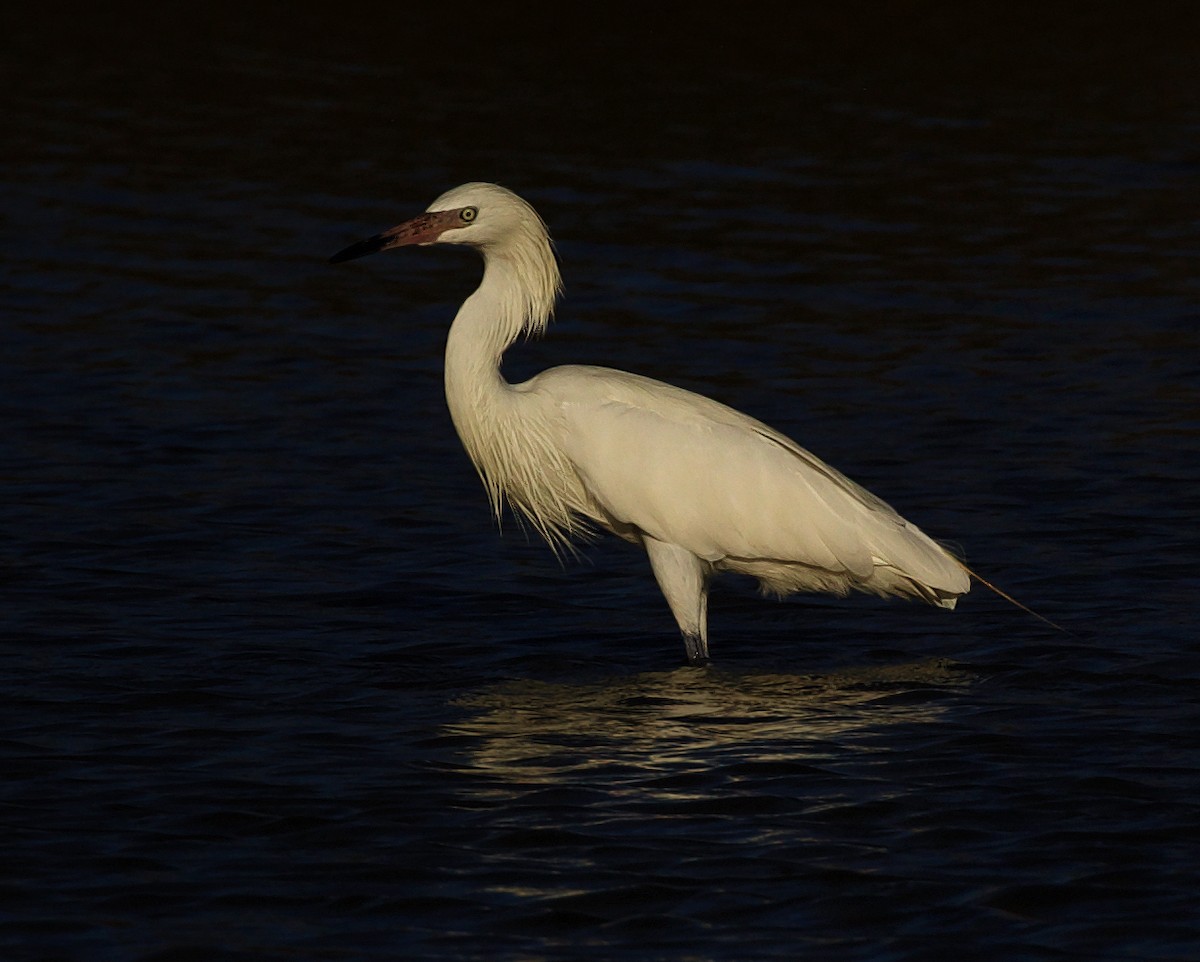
pixel 666 723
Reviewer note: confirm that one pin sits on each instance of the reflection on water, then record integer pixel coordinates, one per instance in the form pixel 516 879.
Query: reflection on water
pixel 671 722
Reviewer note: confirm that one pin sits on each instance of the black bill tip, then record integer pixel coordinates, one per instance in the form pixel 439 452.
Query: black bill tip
pixel 372 245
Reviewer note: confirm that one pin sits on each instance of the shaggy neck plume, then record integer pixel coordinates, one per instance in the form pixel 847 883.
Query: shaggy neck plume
pixel 516 296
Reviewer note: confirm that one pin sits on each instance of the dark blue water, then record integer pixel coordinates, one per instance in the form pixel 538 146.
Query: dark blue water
pixel 273 686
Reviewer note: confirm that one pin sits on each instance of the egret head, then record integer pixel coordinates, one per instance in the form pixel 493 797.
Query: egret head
pixel 484 216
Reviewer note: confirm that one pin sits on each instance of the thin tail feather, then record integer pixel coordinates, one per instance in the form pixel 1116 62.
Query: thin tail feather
pixel 1013 601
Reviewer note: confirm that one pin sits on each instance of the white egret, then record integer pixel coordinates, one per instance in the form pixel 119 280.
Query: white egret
pixel 702 487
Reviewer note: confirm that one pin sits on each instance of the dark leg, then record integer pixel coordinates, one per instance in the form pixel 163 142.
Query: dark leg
pixel 696 648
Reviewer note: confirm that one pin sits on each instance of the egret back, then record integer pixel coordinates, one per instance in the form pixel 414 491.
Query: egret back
pixel 692 472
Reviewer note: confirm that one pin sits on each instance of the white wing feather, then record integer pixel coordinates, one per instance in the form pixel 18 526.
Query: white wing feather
pixel 692 472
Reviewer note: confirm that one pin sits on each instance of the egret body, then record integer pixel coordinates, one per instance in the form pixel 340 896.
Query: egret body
pixel 702 487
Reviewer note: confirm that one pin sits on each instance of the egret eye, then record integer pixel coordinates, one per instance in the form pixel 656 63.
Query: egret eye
pixel 468 214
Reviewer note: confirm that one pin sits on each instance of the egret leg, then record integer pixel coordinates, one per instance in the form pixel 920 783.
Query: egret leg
pixel 683 579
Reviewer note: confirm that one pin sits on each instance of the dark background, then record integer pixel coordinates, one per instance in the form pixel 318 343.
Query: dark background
pixel 272 685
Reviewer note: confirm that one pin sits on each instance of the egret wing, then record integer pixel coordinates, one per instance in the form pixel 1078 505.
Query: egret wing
pixel 693 472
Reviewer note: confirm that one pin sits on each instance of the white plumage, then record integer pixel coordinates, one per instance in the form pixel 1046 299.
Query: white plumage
pixel 702 487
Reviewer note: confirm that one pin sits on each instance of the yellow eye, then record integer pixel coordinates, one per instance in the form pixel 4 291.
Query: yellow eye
pixel 468 214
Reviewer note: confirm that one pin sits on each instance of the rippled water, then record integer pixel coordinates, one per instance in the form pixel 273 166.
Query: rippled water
pixel 273 686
